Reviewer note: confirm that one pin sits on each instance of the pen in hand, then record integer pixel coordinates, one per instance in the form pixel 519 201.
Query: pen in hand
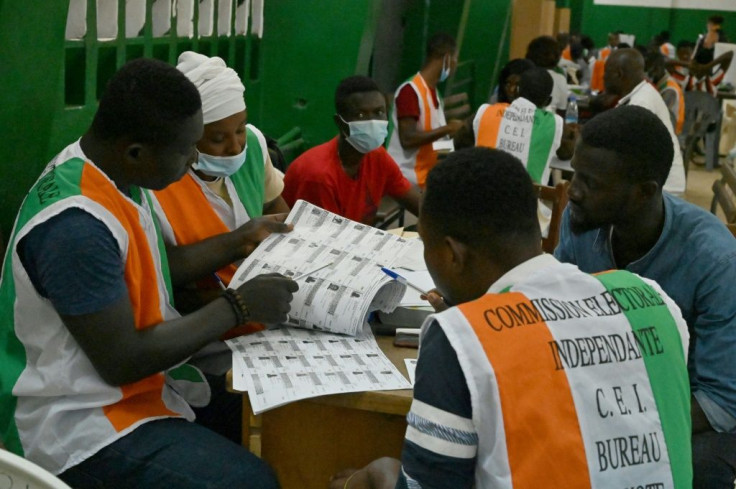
pixel 219 281
pixel 401 279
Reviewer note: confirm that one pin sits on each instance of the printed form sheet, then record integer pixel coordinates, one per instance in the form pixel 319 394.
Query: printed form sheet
pixel 339 297
pixel 283 365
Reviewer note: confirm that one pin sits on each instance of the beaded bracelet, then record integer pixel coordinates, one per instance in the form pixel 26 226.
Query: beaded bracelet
pixel 242 314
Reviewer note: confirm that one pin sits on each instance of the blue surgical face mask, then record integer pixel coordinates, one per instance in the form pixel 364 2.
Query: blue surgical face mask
pixel 365 136
pixel 445 69
pixel 220 166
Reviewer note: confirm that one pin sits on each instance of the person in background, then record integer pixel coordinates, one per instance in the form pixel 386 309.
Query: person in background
pixel 544 51
pixel 679 68
pixel 618 217
pixel 513 405
pixel 668 88
pixel 417 119
pixel 92 388
pixel 350 174
pixel 508 80
pixel 664 46
pixel 224 193
pixel 625 78
pixel 684 51
pixel 613 41
pixel 705 45
pixel 534 140
pixel 704 72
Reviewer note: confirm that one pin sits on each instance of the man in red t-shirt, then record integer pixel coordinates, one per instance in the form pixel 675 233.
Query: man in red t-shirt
pixel 350 174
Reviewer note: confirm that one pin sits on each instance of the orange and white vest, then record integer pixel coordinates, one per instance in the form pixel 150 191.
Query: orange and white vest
pixel 56 409
pixel 187 216
pixel 679 108
pixel 575 381
pixel 523 130
pixel 415 163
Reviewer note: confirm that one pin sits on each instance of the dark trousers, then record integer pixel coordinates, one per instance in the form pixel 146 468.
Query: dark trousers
pixel 714 460
pixel 170 453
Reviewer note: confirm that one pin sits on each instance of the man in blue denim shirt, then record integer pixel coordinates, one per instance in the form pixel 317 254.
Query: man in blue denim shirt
pixel 618 217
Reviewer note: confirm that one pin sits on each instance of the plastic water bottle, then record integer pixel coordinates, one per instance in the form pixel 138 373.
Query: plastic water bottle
pixel 571 112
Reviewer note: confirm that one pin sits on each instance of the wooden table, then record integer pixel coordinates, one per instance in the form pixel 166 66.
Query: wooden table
pixel 308 441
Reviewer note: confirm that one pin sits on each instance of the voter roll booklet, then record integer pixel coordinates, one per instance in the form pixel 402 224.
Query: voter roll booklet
pixel 326 346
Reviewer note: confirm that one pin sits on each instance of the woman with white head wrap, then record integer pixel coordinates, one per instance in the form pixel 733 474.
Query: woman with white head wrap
pixel 210 218
pixel 233 180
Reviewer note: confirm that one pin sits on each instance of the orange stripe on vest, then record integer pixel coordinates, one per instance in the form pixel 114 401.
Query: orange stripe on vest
pixel 141 399
pixel 426 157
pixel 533 408
pixel 490 122
pixel 192 218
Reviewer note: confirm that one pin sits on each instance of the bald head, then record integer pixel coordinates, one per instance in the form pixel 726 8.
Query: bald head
pixel 624 71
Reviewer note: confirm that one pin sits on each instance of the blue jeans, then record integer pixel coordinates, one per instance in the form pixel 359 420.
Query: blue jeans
pixel 714 460
pixel 169 453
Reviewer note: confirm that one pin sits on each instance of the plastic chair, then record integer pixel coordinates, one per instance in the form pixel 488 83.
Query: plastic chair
pixel 702 110
pixel 557 197
pixel 724 194
pixel 18 472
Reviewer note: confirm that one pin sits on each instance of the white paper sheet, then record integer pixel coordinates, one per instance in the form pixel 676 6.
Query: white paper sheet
pixel 421 279
pixel 411 368
pixel 284 365
pixel 340 297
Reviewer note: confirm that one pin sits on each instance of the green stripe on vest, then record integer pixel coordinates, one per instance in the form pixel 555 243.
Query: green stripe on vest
pixel 248 180
pixel 55 185
pixel 542 139
pixel 649 316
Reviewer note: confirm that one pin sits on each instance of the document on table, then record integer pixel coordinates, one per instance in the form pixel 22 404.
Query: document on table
pixel 283 365
pixel 337 298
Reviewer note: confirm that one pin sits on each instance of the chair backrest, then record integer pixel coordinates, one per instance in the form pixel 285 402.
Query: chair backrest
pixel 16 471
pixel 557 197
pixel 701 110
pixel 724 192
pixel 700 106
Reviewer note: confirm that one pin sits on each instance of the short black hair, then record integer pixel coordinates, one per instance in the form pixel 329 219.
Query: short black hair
pixel 349 86
pixel 716 19
pixel 482 197
pixel 654 59
pixel 543 49
pixel 536 86
pixel 146 101
pixel 587 42
pixel 638 137
pixel 514 67
pixel 439 45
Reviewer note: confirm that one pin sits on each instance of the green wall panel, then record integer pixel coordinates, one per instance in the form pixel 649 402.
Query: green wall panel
pixel 645 22
pixel 32 53
pixel 482 46
pixel 305 53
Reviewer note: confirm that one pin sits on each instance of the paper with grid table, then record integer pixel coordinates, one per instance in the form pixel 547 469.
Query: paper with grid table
pixel 339 297
pixel 286 364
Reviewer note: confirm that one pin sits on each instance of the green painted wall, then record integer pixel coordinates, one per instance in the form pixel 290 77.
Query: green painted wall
pixel 683 24
pixel 290 74
pixel 303 58
pixel 32 57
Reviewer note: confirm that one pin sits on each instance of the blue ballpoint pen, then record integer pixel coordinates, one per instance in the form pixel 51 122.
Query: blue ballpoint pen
pixel 219 281
pixel 401 279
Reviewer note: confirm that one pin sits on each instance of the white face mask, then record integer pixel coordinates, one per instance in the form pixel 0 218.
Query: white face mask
pixel 220 166
pixel 365 136
pixel 445 69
